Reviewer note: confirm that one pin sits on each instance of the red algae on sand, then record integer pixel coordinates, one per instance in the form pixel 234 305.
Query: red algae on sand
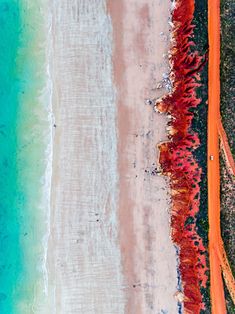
pixel 176 156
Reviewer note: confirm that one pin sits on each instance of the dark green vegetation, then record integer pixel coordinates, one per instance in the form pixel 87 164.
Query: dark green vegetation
pixel 227 69
pixel 228 222
pixel 199 125
pixel 228 118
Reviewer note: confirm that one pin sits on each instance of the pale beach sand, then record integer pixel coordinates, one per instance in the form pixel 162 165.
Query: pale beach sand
pixel 141 38
pixel 109 247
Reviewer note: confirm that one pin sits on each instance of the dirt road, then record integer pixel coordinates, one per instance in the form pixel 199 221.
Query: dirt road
pixel 217 254
pixel 217 291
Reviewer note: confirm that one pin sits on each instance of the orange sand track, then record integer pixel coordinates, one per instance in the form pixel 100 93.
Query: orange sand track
pixel 217 255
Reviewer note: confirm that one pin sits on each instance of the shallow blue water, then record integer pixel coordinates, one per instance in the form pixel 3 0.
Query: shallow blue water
pixel 11 198
pixel 22 147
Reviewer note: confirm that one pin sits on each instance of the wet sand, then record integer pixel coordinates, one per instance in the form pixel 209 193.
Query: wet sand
pixel 109 249
pixel 84 256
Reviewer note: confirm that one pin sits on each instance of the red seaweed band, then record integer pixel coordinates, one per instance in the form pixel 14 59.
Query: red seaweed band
pixel 176 156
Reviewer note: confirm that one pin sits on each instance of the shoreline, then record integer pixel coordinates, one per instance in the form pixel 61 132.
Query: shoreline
pixel 49 150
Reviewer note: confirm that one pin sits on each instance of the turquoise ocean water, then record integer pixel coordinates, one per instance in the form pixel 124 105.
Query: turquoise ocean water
pixel 24 138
